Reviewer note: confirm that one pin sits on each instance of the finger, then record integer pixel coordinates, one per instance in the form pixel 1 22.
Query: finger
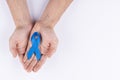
pixel 21 47
pixel 21 58
pixel 21 50
pixel 32 64
pixel 40 63
pixel 25 57
pixel 14 52
pixel 13 49
pixel 44 47
pixel 52 49
pixel 26 64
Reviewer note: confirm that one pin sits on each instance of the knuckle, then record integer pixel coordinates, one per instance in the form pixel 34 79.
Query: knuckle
pixel 21 49
pixel 38 65
pixel 53 48
pixel 25 65
pixel 30 66
pixel 53 51
pixel 34 60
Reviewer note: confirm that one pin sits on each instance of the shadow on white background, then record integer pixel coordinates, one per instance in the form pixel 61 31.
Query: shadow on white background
pixel 89 43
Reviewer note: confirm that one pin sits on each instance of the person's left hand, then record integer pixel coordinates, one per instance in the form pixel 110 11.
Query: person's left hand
pixel 47 47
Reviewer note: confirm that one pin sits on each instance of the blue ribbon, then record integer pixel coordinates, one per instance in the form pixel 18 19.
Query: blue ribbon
pixel 35 40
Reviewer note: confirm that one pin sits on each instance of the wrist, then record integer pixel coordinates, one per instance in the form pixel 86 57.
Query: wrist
pixel 44 24
pixel 26 27
pixel 48 21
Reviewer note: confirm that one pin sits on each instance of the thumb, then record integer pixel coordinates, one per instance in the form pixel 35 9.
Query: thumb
pixel 44 47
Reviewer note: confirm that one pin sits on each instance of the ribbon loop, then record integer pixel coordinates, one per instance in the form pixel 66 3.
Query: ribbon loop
pixel 35 40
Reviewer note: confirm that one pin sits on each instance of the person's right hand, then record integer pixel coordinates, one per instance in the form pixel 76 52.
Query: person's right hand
pixel 18 41
pixel 47 47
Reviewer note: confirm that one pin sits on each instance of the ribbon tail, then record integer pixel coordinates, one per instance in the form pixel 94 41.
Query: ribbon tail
pixel 30 52
pixel 38 54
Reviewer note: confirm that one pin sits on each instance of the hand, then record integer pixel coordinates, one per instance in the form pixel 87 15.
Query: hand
pixel 47 47
pixel 18 41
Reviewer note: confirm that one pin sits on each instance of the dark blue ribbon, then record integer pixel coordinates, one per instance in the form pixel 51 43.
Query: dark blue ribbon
pixel 35 40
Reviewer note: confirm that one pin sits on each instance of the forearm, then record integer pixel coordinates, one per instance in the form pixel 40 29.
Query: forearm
pixel 20 12
pixel 54 11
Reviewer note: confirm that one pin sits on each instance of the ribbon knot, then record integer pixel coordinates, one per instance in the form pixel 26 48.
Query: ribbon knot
pixel 35 40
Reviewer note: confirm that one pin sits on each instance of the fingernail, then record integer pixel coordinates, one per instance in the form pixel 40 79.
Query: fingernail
pixel 35 70
pixel 28 70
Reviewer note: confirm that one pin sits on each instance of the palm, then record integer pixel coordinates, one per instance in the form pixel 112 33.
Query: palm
pixel 19 40
pixel 47 47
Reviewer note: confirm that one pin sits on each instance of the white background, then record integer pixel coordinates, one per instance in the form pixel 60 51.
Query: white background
pixel 89 43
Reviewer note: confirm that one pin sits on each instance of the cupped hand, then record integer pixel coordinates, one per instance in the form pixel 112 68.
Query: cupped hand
pixel 19 40
pixel 47 47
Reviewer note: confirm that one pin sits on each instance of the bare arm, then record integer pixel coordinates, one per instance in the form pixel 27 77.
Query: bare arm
pixel 19 39
pixel 45 26
pixel 20 13
pixel 54 11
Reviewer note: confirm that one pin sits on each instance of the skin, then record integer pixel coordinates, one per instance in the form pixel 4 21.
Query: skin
pixel 20 43
pixel 19 39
